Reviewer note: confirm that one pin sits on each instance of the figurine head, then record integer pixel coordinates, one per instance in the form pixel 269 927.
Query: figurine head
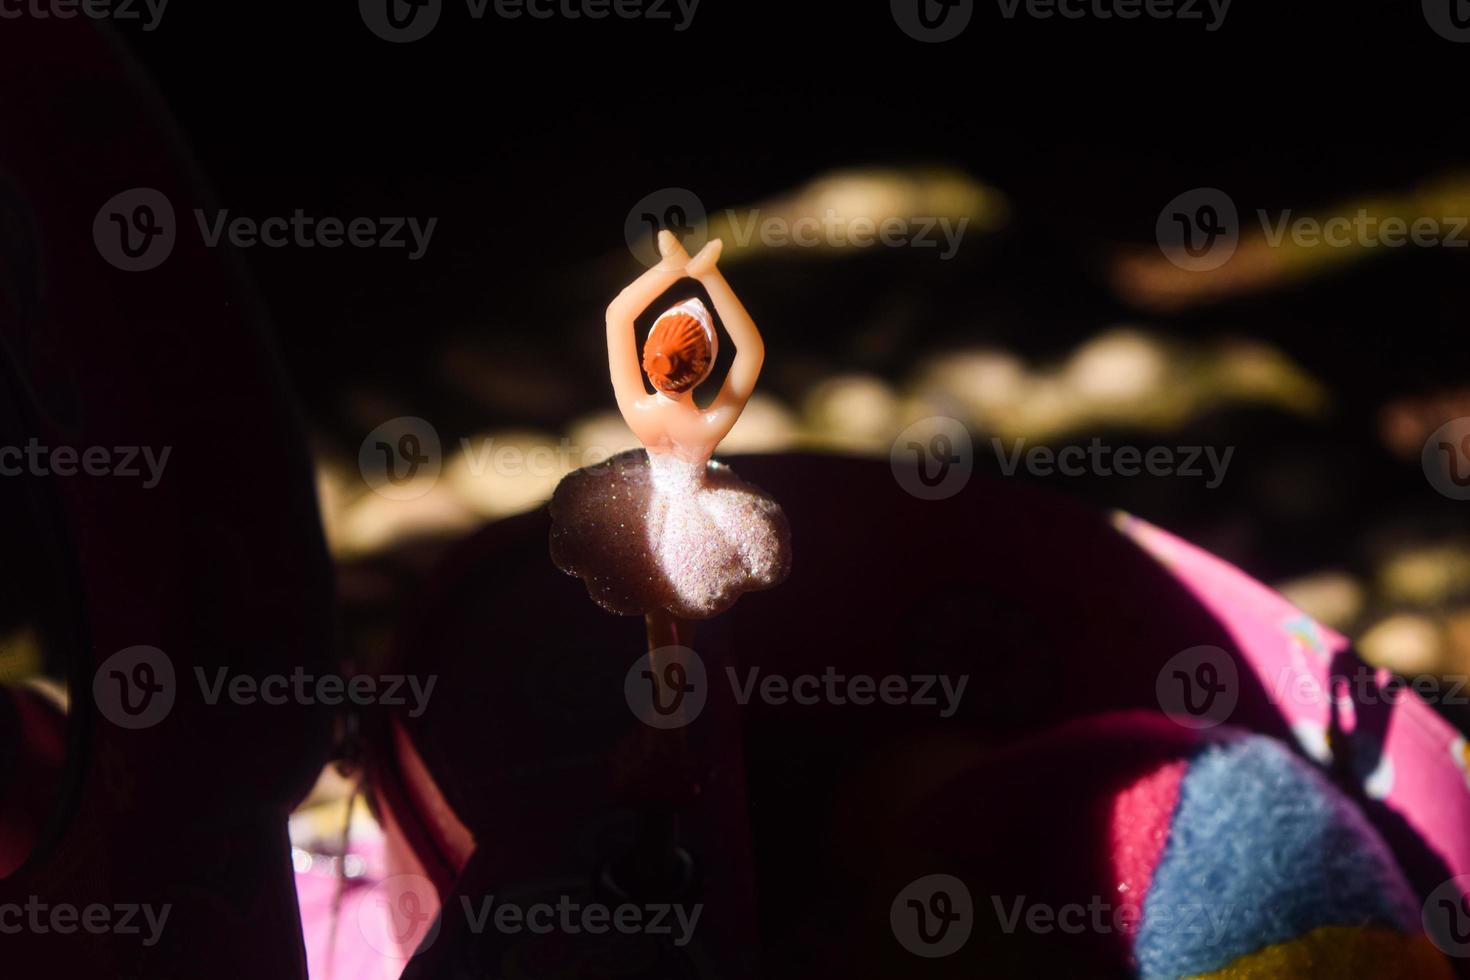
pixel 680 350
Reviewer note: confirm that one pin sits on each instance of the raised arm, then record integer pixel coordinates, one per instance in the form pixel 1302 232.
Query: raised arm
pixel 622 344
pixel 750 350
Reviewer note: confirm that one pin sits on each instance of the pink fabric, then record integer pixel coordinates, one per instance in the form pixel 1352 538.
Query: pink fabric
pixel 1421 767
pixel 1140 827
pixel 341 947
pixel 1423 774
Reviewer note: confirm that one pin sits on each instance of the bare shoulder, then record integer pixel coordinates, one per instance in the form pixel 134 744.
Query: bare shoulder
pixel 720 416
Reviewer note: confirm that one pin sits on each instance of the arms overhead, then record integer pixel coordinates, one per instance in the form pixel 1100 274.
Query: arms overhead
pixel 750 350
pixel 622 345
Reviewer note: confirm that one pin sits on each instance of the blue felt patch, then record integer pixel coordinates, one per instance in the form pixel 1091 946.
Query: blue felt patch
pixel 1262 849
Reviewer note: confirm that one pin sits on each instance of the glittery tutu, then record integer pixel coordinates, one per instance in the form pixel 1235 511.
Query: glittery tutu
pixel 653 531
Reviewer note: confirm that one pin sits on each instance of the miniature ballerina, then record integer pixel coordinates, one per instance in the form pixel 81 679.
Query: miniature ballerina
pixel 665 530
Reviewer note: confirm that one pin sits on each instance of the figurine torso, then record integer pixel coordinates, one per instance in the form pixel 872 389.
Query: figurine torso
pixel 676 425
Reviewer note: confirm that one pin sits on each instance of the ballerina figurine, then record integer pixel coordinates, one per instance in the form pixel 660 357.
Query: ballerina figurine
pixel 665 530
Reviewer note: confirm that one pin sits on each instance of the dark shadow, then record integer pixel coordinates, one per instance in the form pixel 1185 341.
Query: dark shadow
pixel 1054 614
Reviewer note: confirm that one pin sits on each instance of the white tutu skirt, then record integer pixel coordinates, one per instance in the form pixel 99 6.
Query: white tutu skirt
pixel 653 531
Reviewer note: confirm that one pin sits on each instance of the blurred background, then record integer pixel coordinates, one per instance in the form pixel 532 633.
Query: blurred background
pixel 1054 317
pixel 1088 251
